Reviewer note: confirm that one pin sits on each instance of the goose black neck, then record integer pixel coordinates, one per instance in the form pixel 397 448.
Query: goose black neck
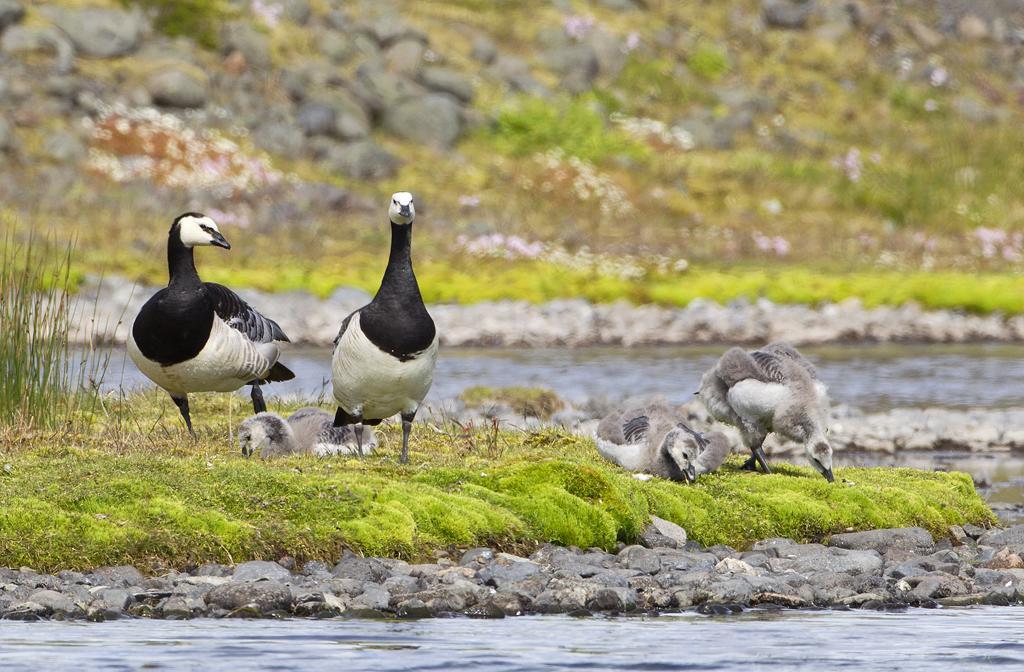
pixel 399 282
pixel 181 265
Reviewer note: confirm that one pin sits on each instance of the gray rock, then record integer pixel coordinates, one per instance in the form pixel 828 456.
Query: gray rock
pixel 641 559
pixel 11 12
pixel 576 63
pixel 792 14
pixel 433 120
pixel 261 570
pixel 810 558
pixel 254 46
pixel 213 569
pixel 405 57
pixel 56 604
pixel 176 87
pixel 476 557
pixel 668 529
pixel 296 11
pixel 483 50
pixel 351 121
pixel 280 138
pixel 905 538
pixel 264 596
pixel 506 570
pixel 121 576
pixel 372 597
pixel 361 569
pixel 515 73
pixel 445 80
pixel 363 160
pixel 1011 536
pixel 338 47
pixel 613 599
pixel 114 600
pixel 315 118
pixel 380 90
pixel 18 40
pixel 99 32
pixel 25 611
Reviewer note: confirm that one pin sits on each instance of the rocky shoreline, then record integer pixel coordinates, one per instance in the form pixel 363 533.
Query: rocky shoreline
pixel 881 570
pixel 105 310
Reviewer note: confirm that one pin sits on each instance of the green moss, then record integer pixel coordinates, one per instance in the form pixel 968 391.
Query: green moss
pixel 104 496
pixel 530 125
pixel 537 402
pixel 199 20
pixel 709 62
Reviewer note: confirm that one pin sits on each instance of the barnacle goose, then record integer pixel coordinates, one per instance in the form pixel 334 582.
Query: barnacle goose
pixel 653 440
pixel 195 336
pixel 307 431
pixel 385 352
pixel 774 389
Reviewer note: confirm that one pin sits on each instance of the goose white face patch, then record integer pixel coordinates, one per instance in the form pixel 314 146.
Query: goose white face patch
pixel 195 231
pixel 402 210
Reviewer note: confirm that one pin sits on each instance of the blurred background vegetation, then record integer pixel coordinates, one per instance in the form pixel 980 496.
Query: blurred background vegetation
pixel 648 150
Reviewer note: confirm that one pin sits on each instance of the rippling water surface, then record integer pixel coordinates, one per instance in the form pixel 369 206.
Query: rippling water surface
pixel 961 639
pixel 871 377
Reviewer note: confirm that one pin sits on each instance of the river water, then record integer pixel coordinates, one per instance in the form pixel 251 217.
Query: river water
pixel 870 377
pixel 978 638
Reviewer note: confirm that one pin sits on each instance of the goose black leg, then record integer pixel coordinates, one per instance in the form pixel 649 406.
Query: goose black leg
pixel 757 459
pixel 343 418
pixel 182 404
pixel 407 419
pixel 258 405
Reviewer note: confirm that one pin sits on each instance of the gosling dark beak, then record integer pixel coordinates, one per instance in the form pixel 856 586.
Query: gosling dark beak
pixel 246 450
pixel 219 240
pixel 691 474
pixel 828 475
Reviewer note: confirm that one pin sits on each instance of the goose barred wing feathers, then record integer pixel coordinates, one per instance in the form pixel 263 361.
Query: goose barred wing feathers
pixel 242 317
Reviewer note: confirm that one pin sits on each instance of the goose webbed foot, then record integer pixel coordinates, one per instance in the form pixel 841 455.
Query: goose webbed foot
pixel 182 404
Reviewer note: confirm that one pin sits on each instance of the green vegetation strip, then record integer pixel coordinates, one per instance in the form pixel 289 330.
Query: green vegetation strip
pixel 65 507
pixel 467 281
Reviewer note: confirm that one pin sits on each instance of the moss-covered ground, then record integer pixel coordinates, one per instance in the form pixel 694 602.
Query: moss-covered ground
pixel 127 485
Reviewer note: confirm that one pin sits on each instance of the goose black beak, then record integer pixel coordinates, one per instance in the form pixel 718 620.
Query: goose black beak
pixel 828 475
pixel 219 240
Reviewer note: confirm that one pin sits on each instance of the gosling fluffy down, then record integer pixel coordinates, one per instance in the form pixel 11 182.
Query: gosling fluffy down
pixel 307 431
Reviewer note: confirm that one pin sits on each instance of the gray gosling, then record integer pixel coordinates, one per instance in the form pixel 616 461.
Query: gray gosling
pixel 653 440
pixel 307 431
pixel 774 389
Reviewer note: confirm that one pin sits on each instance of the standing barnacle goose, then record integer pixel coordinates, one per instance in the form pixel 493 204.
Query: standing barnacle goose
pixel 385 353
pixel 195 336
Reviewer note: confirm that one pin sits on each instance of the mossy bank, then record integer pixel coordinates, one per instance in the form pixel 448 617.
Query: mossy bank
pixel 130 487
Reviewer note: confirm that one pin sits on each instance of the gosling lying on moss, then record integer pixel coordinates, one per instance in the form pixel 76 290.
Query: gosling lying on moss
pixel 308 431
pixel 653 440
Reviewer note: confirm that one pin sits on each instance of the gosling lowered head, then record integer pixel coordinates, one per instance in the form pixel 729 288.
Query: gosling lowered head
pixel 681 449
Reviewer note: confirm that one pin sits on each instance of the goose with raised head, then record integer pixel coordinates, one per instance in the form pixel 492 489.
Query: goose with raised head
pixel 773 389
pixel 654 440
pixel 386 351
pixel 195 336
